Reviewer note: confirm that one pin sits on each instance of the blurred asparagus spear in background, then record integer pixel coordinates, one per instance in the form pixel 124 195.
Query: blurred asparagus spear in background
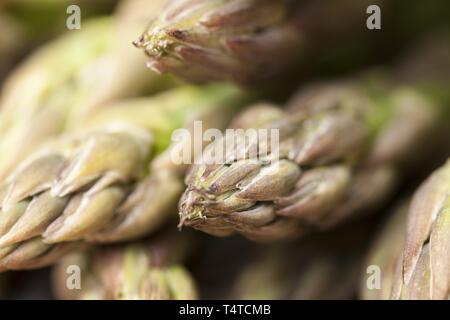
pixel 342 147
pixel 325 266
pixel 250 42
pixel 24 24
pixel 412 251
pixel 150 270
pixel 67 79
pixel 36 99
pixel 102 183
pixel 48 17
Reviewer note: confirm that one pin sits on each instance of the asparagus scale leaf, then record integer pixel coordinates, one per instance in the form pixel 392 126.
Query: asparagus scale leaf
pixel 335 140
pixel 111 180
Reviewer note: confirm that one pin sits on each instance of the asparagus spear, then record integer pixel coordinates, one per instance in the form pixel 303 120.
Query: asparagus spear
pixel 417 266
pixel 249 42
pixel 144 271
pixel 384 254
pixel 3 285
pixel 341 151
pixel 325 266
pixel 101 184
pixel 65 80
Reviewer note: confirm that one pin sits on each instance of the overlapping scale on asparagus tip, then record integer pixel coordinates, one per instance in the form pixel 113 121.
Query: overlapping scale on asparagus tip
pixel 150 270
pixel 31 107
pixel 335 140
pixel 65 80
pixel 412 251
pixel 96 185
pixel 249 42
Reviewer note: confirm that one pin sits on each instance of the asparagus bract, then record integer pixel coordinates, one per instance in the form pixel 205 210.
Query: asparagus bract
pixel 384 255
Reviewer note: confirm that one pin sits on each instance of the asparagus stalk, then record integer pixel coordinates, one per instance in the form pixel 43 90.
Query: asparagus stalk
pixel 342 149
pixel 102 183
pixel 150 270
pixel 417 267
pixel 65 80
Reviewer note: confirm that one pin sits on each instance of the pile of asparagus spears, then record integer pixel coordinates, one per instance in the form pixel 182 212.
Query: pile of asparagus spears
pixel 351 202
